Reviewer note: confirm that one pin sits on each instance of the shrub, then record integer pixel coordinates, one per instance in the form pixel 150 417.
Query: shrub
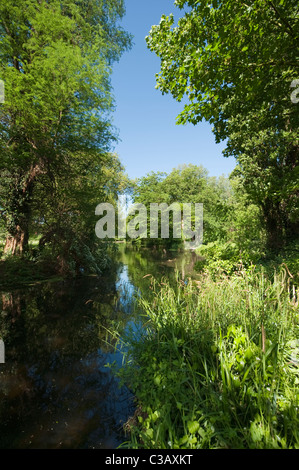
pixel 220 257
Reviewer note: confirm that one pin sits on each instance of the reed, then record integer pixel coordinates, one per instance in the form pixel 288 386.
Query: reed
pixel 215 364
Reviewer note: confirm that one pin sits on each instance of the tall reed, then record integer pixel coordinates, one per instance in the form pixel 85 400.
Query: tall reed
pixel 216 364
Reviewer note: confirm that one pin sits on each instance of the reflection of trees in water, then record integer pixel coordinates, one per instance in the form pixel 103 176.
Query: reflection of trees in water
pixel 54 385
pixel 158 263
pixel 12 304
pixel 140 263
pixel 56 344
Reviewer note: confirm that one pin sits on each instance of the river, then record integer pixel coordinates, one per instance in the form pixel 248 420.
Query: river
pixel 56 390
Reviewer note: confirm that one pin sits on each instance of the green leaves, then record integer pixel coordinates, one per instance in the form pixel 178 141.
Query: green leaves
pixel 235 61
pixel 193 426
pixel 189 184
pixel 199 371
pixel 55 60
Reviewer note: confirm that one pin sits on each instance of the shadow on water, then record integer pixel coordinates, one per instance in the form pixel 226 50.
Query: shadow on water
pixel 56 390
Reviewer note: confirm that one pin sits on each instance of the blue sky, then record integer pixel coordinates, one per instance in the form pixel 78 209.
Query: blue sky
pixel 150 139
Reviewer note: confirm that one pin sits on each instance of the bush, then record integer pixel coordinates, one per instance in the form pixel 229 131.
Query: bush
pixel 223 257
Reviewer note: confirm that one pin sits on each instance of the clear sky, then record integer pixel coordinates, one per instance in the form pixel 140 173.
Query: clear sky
pixel 150 138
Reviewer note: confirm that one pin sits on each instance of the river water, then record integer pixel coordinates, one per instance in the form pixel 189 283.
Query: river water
pixel 56 388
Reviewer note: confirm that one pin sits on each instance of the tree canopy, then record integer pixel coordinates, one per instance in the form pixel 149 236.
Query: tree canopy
pixel 55 61
pixel 189 184
pixel 235 63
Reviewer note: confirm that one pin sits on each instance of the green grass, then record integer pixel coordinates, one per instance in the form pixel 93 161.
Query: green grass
pixel 18 271
pixel 30 268
pixel 215 365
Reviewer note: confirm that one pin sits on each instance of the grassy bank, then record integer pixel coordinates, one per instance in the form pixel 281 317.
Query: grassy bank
pixel 216 364
pixel 43 264
pixel 17 272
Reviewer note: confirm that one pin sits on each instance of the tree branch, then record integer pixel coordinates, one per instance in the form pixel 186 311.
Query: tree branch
pixel 286 23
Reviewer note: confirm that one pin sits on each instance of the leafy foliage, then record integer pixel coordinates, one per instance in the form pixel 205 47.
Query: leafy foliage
pixel 234 63
pixel 211 365
pixel 188 184
pixel 55 61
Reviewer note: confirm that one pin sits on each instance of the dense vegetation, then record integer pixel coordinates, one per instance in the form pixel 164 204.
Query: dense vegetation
pixel 234 64
pixel 215 364
pixel 55 127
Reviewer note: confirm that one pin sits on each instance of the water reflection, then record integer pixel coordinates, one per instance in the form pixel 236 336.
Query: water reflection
pixel 55 388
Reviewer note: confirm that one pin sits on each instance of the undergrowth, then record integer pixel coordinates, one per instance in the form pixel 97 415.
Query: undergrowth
pixel 215 364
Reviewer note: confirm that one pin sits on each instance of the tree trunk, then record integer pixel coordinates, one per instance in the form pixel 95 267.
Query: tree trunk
pixel 12 305
pixel 274 226
pixel 17 243
pixel 18 232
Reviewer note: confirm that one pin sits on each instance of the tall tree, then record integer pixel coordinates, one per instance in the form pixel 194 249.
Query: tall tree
pixel 236 63
pixel 55 61
pixel 63 212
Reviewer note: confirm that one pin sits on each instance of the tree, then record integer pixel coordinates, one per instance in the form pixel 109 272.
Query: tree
pixel 189 184
pixel 63 212
pixel 55 61
pixel 235 63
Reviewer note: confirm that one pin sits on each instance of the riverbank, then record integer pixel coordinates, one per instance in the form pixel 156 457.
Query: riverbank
pixel 217 364
pixel 18 272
